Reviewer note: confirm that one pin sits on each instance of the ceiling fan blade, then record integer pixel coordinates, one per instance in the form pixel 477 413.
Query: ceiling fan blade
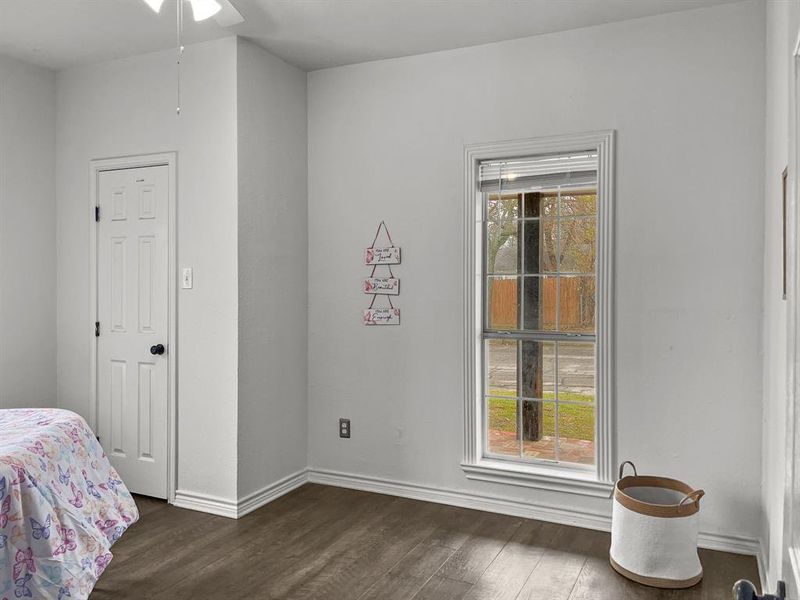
pixel 228 16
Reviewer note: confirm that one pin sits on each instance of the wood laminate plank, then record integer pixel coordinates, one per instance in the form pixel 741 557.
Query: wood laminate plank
pixel 266 557
pixel 477 553
pixel 456 527
pixel 197 541
pixel 598 578
pixel 442 588
pixel 409 576
pixel 556 573
pixel 509 571
pixel 324 543
pixel 370 555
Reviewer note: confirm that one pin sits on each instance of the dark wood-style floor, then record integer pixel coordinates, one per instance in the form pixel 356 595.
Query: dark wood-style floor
pixel 322 543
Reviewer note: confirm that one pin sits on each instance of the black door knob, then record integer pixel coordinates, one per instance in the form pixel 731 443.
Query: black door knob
pixel 157 349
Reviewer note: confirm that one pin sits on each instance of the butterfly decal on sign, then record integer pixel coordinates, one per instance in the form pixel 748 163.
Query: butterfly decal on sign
pixel 77 496
pixel 22 590
pixel 41 531
pixel 63 476
pixel 63 593
pixel 23 561
pixel 67 541
pixel 3 540
pixel 2 487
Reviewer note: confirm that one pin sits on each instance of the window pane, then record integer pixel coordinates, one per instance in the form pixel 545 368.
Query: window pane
pixel 502 255
pixel 502 304
pixel 501 416
pixel 501 368
pixel 502 208
pixel 576 433
pixel 578 248
pixel 539 310
pixel 538 430
pixel 539 251
pixel 538 369
pixel 540 204
pixel 576 303
pixel 578 202
pixel 576 371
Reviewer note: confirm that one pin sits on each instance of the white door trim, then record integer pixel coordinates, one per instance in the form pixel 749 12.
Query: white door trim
pixel 168 159
pixel 791 561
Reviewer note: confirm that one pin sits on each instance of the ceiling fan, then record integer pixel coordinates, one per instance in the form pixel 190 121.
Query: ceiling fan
pixel 224 13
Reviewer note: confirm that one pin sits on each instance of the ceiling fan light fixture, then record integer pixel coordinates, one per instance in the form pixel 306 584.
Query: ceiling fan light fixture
pixel 155 5
pixel 202 9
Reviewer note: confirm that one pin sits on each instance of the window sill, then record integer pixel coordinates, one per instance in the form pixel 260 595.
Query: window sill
pixel 539 477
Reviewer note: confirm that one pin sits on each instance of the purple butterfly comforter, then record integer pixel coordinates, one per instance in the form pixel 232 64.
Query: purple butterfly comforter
pixel 62 506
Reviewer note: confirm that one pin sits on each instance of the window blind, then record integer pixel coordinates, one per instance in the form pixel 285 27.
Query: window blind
pixel 576 168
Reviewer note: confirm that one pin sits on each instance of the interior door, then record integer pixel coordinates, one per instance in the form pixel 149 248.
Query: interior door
pixel 133 313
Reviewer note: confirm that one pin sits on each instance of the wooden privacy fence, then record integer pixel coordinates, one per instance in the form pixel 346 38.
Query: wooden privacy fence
pixel 577 304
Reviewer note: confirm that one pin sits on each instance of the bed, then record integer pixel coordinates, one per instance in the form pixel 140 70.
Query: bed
pixel 62 505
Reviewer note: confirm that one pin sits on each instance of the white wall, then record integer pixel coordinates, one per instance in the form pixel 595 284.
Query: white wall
pixel 27 235
pixel 273 268
pixel 783 22
pixel 127 107
pixel 685 92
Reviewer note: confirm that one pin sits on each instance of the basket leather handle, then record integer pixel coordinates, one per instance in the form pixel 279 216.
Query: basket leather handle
pixel 694 496
pixel 622 469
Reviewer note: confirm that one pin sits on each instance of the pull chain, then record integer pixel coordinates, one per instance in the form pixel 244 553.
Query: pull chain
pixel 179 34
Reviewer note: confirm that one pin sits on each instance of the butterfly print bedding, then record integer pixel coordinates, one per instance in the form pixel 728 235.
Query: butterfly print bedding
pixel 62 506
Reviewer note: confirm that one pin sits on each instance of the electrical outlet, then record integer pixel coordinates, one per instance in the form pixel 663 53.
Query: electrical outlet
pixel 344 428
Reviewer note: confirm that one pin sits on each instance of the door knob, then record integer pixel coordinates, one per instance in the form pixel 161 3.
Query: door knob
pixel 157 349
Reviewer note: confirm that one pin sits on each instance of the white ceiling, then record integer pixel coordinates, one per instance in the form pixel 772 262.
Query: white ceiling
pixel 311 34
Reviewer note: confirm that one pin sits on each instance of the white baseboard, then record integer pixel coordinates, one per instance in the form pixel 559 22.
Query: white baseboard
pixel 761 557
pixel 247 504
pixel 205 503
pixel 542 512
pixel 271 492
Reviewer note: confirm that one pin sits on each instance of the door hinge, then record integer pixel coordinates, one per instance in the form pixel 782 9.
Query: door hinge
pixel 97 329
pixel 97 214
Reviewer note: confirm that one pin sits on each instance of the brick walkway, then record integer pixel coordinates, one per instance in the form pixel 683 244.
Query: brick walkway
pixel 570 450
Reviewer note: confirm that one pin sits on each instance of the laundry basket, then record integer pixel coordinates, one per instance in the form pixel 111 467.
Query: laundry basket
pixel 654 530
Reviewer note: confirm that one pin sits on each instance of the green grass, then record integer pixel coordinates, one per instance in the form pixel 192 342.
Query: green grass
pixel 575 421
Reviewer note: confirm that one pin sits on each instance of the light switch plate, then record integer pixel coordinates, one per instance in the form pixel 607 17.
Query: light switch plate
pixel 187 279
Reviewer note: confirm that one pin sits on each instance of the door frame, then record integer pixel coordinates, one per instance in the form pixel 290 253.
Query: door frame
pixel 97 166
pixel 791 554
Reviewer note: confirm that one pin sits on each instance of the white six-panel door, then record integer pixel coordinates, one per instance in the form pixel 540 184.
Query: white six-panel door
pixel 133 313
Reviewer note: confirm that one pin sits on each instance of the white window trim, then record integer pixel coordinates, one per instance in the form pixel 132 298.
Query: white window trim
pixel 599 480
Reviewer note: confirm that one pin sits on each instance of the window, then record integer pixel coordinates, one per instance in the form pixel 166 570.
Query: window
pixel 538 405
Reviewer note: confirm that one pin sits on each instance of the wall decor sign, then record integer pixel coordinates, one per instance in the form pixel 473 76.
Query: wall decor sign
pixel 386 286
pixel 382 285
pixel 382 316
pixel 387 255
